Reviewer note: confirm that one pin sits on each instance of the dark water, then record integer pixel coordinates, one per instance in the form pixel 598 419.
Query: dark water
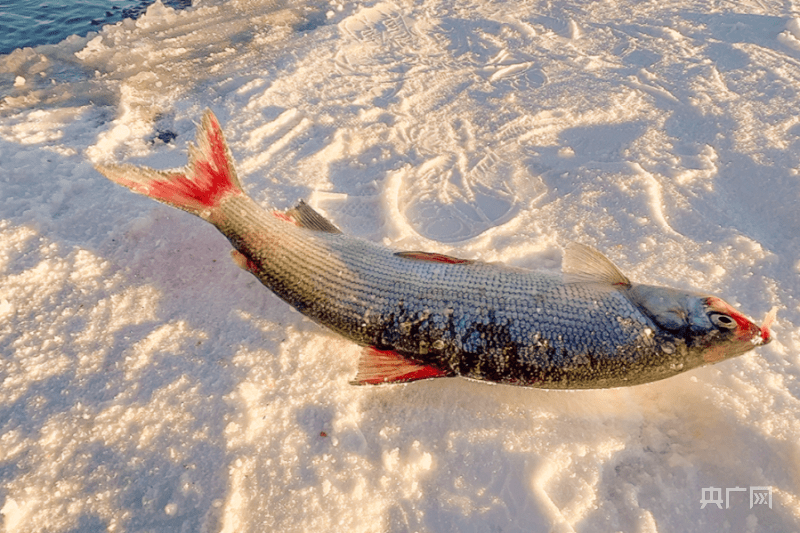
pixel 34 22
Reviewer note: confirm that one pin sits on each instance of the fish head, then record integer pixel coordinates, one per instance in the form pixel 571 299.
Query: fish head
pixel 731 333
pixel 710 327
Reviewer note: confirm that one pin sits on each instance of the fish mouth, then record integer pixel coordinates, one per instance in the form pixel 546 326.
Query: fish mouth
pixel 766 334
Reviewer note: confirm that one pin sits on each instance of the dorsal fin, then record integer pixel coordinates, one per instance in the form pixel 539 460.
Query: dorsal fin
pixel 584 264
pixel 305 217
pixel 436 258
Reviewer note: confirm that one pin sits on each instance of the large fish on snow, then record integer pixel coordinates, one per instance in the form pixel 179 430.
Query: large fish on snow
pixel 423 315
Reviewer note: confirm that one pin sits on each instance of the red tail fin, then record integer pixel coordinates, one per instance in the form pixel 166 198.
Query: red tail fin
pixel 208 177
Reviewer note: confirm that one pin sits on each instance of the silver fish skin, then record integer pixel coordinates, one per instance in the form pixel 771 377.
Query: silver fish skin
pixel 423 315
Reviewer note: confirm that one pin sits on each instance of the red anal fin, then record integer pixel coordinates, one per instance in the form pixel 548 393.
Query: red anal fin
pixel 436 258
pixel 386 366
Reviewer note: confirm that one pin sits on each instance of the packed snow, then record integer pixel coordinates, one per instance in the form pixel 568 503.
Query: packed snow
pixel 149 384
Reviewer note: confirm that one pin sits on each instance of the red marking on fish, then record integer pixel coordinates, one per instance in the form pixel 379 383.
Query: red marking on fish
pixel 283 216
pixel 210 180
pixel 181 190
pixel 244 262
pixel 387 366
pixel 745 329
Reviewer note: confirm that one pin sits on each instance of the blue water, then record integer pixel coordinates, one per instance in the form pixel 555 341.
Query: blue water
pixel 34 22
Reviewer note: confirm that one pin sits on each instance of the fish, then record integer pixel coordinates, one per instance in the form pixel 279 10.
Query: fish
pixel 422 315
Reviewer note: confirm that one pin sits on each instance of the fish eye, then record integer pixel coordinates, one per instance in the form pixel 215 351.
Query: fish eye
pixel 722 321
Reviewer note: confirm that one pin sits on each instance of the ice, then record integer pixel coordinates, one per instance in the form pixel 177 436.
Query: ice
pixel 149 384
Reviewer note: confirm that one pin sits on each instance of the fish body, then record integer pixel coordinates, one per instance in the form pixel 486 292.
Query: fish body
pixel 423 315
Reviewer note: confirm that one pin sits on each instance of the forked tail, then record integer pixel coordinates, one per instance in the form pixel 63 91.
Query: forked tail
pixel 208 177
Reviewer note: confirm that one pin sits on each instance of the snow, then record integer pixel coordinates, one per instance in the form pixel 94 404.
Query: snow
pixel 149 384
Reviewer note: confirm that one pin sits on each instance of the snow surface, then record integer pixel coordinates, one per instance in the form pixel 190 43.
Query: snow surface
pixel 148 384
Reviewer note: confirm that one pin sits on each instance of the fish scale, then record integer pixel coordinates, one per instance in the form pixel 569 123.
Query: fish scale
pixel 425 315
